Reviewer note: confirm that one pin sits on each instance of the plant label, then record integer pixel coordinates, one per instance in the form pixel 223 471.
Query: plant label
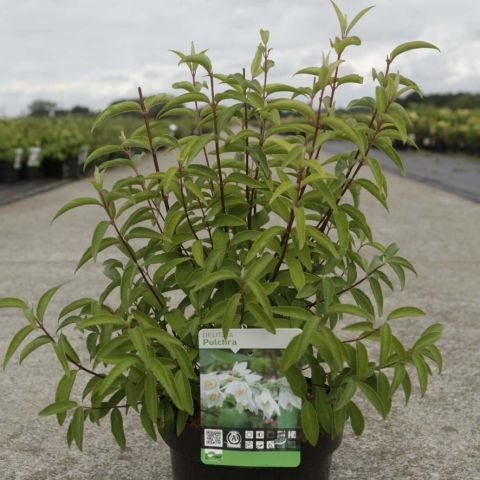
pixel 249 414
pixel 34 157
pixel 17 163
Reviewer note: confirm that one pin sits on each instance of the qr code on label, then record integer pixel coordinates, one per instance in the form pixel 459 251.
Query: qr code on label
pixel 213 438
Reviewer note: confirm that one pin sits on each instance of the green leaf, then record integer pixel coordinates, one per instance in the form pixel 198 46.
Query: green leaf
pixel 262 241
pixel 62 357
pixel 265 35
pixel 432 352
pixel 300 226
pixel 238 177
pixel 422 372
pixel 200 59
pixel 293 105
pixel 166 379
pixel 297 381
pixel 295 270
pixel 77 202
pixel 147 424
pixel 101 319
pixel 381 100
pixel 116 109
pixel 361 361
pixel 58 407
pixel 19 337
pixel 405 47
pixel 257 269
pixel 138 339
pixel 114 373
pixel 78 423
pixel 407 387
pixel 97 237
pixel 346 394
pixel 405 312
pixel 293 312
pixel 352 78
pixel 184 392
pixel 116 421
pixel 197 252
pixel 341 224
pixel 356 419
pixel 344 308
pixel 226 220
pixel 264 320
pixel 33 345
pixel 373 397
pixel 431 335
pixel 342 19
pixel 385 343
pixel 151 398
pixel 322 240
pixel 357 18
pixel 292 353
pixel 216 277
pixel 258 291
pixel 230 314
pixel 310 425
pixel 387 148
pixel 10 302
pixel 377 293
pixel 100 152
pixel 256 66
pixel 181 423
pixel 75 305
pixel 398 377
pixel 44 301
pixel 283 187
pixel 342 126
pixel 63 392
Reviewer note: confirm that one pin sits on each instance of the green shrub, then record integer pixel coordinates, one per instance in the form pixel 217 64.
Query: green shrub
pixel 247 229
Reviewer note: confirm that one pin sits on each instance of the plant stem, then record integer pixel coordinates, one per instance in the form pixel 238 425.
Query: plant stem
pixel 131 251
pixel 288 231
pixel 150 141
pixel 70 359
pixel 199 128
pixel 217 141
pixel 184 203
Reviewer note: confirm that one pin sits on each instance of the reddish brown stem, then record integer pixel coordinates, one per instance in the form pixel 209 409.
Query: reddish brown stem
pixel 217 142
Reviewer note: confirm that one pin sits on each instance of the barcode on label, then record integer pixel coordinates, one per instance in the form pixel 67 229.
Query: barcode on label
pixel 213 438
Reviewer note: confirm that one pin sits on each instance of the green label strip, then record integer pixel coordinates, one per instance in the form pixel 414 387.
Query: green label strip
pixel 242 458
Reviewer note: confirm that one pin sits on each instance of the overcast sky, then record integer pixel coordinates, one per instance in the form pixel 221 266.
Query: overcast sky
pixel 90 52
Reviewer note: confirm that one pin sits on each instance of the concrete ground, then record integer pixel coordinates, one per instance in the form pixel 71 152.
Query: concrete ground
pixel 435 438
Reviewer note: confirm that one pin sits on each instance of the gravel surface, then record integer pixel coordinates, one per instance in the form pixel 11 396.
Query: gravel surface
pixel 436 437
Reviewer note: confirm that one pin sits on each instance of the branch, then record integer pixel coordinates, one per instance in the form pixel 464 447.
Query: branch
pixel 131 252
pixel 217 144
pixel 70 359
pixel 150 142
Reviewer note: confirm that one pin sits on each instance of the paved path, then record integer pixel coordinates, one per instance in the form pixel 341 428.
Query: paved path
pixel 453 172
pixel 27 188
pixel 435 438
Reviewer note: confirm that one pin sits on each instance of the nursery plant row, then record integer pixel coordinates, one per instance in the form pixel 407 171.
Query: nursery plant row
pixel 445 129
pixel 57 147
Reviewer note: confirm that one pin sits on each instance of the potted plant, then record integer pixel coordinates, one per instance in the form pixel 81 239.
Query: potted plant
pixel 10 154
pixel 62 143
pixel 249 229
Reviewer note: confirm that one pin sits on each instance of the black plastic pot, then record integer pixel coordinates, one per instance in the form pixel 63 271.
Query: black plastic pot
pixel 32 173
pixel 8 174
pixel 73 169
pixel 53 168
pixel 186 463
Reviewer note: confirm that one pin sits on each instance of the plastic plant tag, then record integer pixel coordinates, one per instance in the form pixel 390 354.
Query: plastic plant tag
pixel 249 414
